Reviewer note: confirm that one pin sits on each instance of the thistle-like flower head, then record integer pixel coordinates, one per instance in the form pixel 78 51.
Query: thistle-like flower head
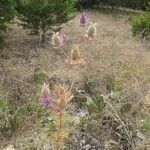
pixel 45 90
pixel 47 100
pixel 83 19
pixel 63 95
pixel 76 56
pixel 75 53
pixel 92 31
pixel 56 40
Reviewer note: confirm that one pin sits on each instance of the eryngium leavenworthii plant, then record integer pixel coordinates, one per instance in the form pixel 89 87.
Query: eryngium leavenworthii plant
pixel 57 100
pixel 47 100
pixel 57 40
pixel 75 53
pixel 76 56
pixel 92 31
pixel 83 19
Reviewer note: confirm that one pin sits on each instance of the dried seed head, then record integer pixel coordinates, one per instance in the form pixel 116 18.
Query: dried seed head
pixel 63 95
pixel 83 19
pixel 92 30
pixel 45 90
pixel 75 53
pixel 60 91
pixel 56 40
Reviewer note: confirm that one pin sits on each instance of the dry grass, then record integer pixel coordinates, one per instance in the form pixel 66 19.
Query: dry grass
pixel 113 52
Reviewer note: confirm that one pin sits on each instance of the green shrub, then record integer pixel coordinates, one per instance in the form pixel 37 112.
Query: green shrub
pixel 11 117
pixel 134 4
pixel 41 15
pixel 141 24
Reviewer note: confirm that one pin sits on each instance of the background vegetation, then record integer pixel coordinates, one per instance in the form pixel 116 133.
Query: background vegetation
pixel 42 15
pixel 134 4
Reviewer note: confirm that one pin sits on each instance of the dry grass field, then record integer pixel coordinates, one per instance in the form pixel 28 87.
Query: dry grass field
pixel 116 62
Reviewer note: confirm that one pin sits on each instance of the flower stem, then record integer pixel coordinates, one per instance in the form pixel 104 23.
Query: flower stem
pixel 60 125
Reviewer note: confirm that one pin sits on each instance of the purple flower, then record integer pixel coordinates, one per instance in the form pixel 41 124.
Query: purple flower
pixel 83 19
pixel 47 101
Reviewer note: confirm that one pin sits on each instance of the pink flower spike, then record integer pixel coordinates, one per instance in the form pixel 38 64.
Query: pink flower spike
pixel 83 19
pixel 48 102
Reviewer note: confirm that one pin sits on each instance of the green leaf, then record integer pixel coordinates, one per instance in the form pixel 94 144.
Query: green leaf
pixel 98 101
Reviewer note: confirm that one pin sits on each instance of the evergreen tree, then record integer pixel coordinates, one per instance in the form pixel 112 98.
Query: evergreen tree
pixel 6 14
pixel 42 15
pixel 148 5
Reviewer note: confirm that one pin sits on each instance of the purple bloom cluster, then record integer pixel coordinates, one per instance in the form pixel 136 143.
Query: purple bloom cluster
pixel 47 100
pixel 83 19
